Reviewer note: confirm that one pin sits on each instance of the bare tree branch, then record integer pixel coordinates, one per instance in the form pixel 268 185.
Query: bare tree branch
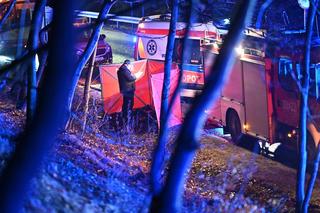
pixel 187 142
pixel 157 162
pixel 49 116
pixel 315 169
pixel 22 59
pixel 302 153
pixel 261 13
pixel 33 44
pixel 86 92
pixel 90 47
pixel 7 13
pixel 27 56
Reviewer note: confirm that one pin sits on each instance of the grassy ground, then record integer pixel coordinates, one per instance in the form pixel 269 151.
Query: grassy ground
pixel 107 170
pixel 122 44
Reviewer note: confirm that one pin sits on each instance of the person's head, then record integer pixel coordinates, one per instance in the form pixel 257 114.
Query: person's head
pixel 126 62
pixel 102 37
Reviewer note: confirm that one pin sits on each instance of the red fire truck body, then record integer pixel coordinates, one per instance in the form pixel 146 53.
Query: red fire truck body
pixel 287 94
pixel 262 96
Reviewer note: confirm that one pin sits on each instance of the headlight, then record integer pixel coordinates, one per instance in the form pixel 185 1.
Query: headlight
pixel 5 59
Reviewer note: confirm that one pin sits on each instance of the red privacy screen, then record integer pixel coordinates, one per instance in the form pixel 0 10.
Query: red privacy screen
pixel 148 87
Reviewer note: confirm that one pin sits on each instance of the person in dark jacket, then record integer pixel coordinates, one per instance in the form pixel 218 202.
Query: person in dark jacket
pixel 127 88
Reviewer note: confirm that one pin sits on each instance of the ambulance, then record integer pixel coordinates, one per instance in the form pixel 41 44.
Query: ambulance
pixel 152 35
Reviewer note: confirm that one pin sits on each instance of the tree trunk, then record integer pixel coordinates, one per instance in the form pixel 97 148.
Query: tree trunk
pixel 302 153
pixel 157 162
pixel 43 56
pixel 42 64
pixel 261 13
pixel 21 32
pixel 187 141
pixel 159 154
pixel 7 13
pixel 33 44
pixel 87 86
pixel 315 169
pixel 89 48
pixel 49 116
pixel 186 51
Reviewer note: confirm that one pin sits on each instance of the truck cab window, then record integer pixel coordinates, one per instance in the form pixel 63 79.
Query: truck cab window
pixel 314 82
pixel 287 74
pixel 314 87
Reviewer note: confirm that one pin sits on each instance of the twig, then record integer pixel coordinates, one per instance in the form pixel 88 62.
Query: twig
pixel 7 13
pixel 315 168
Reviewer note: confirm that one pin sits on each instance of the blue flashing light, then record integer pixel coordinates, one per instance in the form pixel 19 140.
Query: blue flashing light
pixel 134 39
pixel 226 21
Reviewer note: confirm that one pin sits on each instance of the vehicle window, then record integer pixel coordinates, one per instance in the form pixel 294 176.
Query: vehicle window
pixel 194 56
pixel 286 74
pixel 80 21
pixel 314 86
pixel 177 50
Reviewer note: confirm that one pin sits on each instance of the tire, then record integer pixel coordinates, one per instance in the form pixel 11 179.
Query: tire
pixel 234 126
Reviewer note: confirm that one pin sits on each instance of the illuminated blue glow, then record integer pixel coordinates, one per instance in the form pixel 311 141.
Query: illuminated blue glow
pixel 5 59
pixel 134 39
pixel 226 21
pixel 304 4
pixel 317 79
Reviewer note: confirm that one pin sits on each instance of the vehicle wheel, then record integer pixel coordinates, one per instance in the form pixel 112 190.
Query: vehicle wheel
pixel 234 126
pixel 311 148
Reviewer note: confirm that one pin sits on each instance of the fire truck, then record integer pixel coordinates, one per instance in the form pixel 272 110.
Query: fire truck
pixel 262 96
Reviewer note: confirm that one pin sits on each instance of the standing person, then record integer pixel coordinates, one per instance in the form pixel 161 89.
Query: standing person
pixel 107 56
pixel 127 88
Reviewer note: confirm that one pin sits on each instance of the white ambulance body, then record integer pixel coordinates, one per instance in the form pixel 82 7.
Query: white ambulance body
pixel 152 35
pixel 153 32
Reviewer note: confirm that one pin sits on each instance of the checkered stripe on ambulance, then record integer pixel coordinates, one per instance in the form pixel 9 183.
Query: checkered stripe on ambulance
pixel 152 34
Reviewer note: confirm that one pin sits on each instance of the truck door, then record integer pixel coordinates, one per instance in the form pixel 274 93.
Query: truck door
pixel 314 104
pixel 286 93
pixel 255 98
